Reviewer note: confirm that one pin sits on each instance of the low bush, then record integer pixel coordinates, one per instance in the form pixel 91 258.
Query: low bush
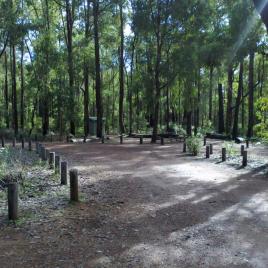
pixel 194 145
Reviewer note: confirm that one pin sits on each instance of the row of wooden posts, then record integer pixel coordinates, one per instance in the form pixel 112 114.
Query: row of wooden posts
pixel 121 137
pixel 55 163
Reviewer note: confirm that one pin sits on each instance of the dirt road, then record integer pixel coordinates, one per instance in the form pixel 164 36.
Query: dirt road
pixel 148 206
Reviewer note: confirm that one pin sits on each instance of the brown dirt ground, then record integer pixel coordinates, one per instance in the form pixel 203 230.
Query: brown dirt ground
pixel 149 206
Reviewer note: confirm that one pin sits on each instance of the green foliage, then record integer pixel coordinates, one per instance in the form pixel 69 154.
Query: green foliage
pixel 261 128
pixel 194 145
pixel 230 148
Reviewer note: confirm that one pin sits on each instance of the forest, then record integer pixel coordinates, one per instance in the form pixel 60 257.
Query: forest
pixel 137 66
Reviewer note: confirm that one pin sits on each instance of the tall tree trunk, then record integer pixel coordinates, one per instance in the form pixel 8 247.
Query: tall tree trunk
pixel 69 22
pixel 251 94
pixel 121 72
pixel 6 92
pixel 238 99
pixel 210 92
pixel 22 108
pixel 97 69
pixel 14 91
pixel 229 112
pixel 86 72
pixel 221 109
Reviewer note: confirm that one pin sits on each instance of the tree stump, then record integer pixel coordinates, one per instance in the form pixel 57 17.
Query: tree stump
pixel 223 153
pixel 245 159
pixel 74 185
pixel 13 201
pixel 64 172
pixel 207 151
pixel 52 160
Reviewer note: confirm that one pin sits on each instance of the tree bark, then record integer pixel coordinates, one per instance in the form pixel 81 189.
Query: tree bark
pixel 121 72
pixel 238 100
pixel 14 91
pixel 210 92
pixel 22 110
pixel 251 94
pixel 229 112
pixel 221 110
pixel 97 69
pixel 6 92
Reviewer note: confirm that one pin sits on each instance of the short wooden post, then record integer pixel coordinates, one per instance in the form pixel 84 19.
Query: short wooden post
pixel 40 150
pixel 46 155
pixel 14 142
pixel 22 143
pixel 43 153
pixel 52 160
pixel 245 159
pixel 67 139
pixel 121 139
pixel 102 139
pixel 223 157
pixel 205 141
pixel 35 137
pixel 208 151
pixel 51 138
pixel 247 142
pixel 74 185
pixel 211 148
pixel 162 141
pixel 242 149
pixel 13 201
pixel 57 163
pixel 36 147
pixel 30 145
pixel 64 172
pixel 141 139
pixel 3 141
pixel 184 147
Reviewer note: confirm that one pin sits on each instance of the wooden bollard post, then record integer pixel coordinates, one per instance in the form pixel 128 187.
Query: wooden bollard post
pixel 22 143
pixel 247 142
pixel 64 172
pixel 121 139
pixel 3 141
pixel 102 139
pixel 205 141
pixel 57 163
pixel 36 147
pixel 30 145
pixel 52 160
pixel 162 141
pixel 13 201
pixel 207 151
pixel 223 154
pixel 67 139
pixel 184 147
pixel 40 150
pixel 74 185
pixel 14 142
pixel 46 155
pixel 141 140
pixel 51 138
pixel 43 153
pixel 245 159
pixel 211 148
pixel 242 149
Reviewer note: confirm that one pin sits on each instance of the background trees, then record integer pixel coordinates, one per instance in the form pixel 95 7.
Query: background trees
pixel 144 66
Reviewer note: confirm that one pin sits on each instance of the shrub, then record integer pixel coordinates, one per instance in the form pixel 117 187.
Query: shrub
pixel 230 148
pixel 194 145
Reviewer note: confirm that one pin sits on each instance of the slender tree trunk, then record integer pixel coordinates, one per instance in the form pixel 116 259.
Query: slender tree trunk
pixel 97 69
pixel 22 108
pixel 238 99
pixel 221 110
pixel 251 94
pixel 229 112
pixel 210 92
pixel 86 72
pixel 6 92
pixel 121 72
pixel 14 90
